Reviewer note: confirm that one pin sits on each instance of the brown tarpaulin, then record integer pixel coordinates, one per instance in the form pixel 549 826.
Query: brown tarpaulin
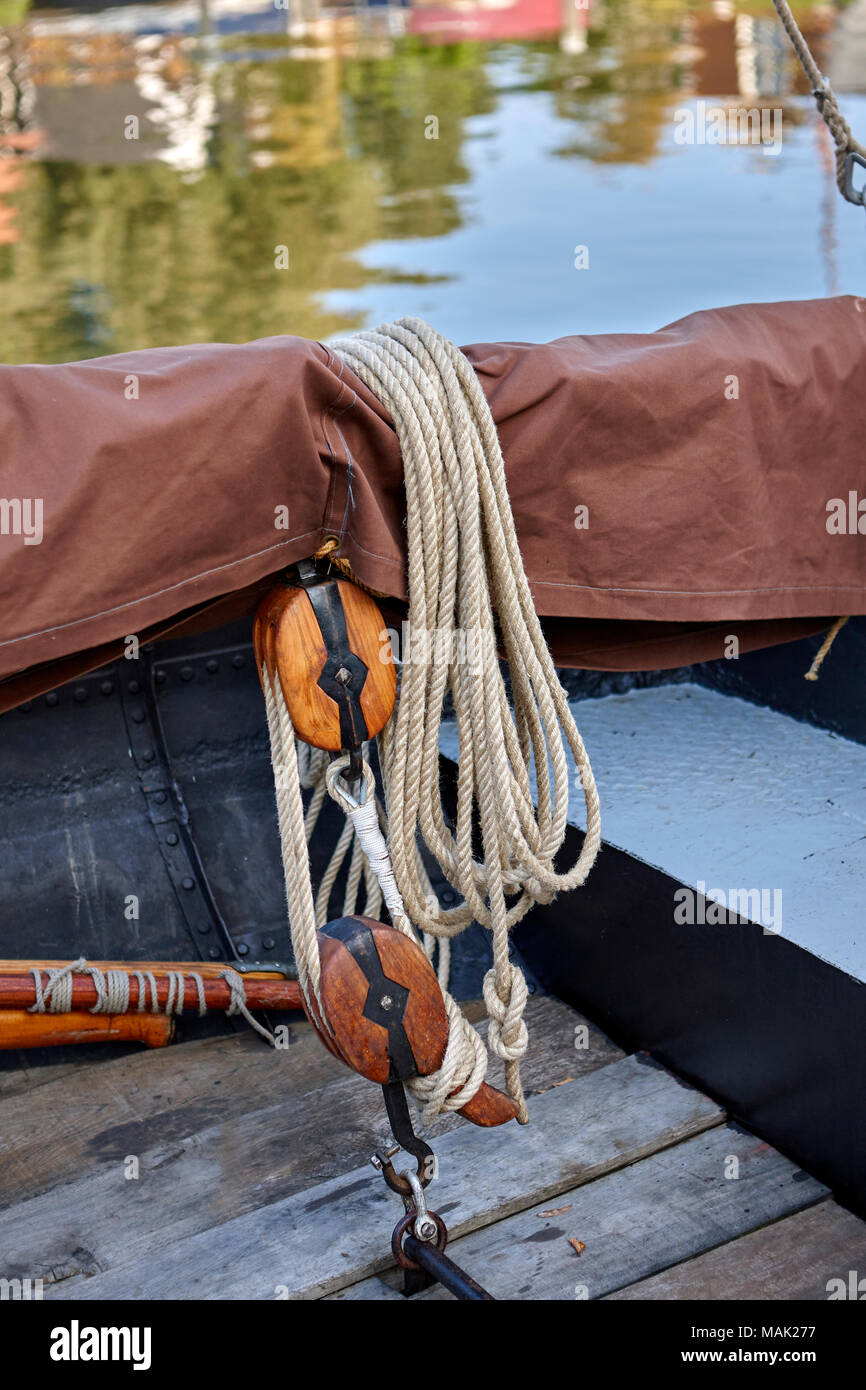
pixel 705 455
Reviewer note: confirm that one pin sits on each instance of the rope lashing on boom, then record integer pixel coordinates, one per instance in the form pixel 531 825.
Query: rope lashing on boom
pixel 843 137
pixel 466 585
pixel 113 993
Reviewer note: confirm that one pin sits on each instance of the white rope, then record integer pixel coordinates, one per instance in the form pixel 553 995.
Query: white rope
pixel 238 1003
pixel 145 978
pixel 56 998
pixel 364 819
pixel 465 1062
pixel 466 584
pixel 293 843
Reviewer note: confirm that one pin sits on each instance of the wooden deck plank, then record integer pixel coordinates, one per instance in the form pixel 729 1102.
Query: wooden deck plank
pixel 792 1259
pixel 190 1181
pixel 633 1223
pixel 372 1290
pixel 156 1101
pixel 338 1232
pixel 17 1077
pixel 151 1074
pixel 26 1069
pixel 99 1114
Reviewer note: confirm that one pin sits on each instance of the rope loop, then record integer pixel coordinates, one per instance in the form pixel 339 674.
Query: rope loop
pixel 334 777
pixel 463 1069
pixel 238 1004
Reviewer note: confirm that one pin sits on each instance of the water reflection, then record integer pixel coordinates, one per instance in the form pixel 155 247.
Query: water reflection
pixel 439 157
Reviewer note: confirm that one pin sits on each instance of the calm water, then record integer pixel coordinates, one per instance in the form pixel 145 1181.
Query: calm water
pixel 153 158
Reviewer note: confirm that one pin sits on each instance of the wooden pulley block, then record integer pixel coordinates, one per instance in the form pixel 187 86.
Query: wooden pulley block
pixel 387 1016
pixel 323 638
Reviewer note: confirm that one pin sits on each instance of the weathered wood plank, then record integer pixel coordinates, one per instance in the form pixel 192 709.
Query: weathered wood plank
pixel 338 1232
pixel 29 1068
pixel 198 1180
pixel 18 1075
pixel 25 1070
pixel 98 1115
pixel 372 1290
pixel 794 1259
pixel 143 1104
pixel 659 1212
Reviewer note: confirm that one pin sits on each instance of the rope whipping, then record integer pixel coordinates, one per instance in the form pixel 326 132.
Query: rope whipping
pixel 825 97
pixel 468 593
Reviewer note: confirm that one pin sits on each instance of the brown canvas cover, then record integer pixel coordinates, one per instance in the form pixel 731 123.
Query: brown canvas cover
pixel 720 463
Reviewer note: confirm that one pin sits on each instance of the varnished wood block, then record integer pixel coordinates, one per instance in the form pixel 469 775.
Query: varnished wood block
pixel 289 642
pixel 407 990
pixel 489 1107
pixel 409 982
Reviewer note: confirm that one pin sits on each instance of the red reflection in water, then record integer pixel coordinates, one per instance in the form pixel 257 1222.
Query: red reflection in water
pixel 521 19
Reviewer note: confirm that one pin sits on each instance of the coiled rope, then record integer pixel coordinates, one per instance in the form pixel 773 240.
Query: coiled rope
pixel 467 590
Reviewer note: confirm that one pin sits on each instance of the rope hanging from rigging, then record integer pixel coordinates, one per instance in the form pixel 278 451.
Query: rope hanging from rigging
pixel 465 580
pixel 849 151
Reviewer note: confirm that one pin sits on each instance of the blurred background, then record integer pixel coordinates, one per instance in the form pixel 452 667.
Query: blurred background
pixel 154 155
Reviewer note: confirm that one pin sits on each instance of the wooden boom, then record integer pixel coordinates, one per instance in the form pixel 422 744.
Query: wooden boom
pixel 18 1028
pixel 269 990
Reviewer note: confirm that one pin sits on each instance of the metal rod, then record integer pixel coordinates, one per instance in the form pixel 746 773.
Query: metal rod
pixel 448 1274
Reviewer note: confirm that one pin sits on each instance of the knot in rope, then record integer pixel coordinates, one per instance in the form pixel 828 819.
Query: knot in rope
pixel 238 1003
pixel 463 1068
pixel 56 996
pixel 825 98
pixel 508 1036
